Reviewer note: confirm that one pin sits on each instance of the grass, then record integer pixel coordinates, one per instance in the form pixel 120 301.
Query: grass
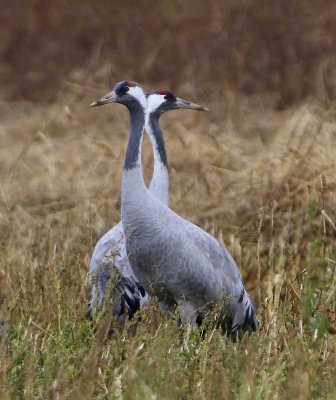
pixel 259 180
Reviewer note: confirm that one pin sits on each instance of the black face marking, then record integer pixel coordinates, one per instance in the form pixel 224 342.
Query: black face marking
pixel 169 96
pixel 123 87
pixel 167 105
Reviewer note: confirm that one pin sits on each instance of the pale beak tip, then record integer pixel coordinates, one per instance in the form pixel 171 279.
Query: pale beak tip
pixel 94 104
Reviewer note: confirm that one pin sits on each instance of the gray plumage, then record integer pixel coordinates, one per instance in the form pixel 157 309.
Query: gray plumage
pixel 174 259
pixel 109 262
pixel 180 263
pixel 109 259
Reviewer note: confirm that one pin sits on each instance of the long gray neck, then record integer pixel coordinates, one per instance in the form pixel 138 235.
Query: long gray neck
pixel 133 154
pixel 133 187
pixel 159 185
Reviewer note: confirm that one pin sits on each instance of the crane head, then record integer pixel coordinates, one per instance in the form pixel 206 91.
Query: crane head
pixel 160 101
pixel 128 93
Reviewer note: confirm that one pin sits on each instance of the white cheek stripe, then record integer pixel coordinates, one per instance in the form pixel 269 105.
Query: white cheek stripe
pixel 139 94
pixel 154 101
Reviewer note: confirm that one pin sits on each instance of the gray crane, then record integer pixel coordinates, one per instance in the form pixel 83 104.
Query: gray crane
pixel 109 257
pixel 174 259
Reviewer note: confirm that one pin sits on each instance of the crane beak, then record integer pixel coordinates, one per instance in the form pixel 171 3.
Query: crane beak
pixel 180 103
pixel 108 98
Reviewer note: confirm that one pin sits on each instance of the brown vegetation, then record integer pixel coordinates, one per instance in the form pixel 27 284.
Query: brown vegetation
pixel 261 179
pixel 280 48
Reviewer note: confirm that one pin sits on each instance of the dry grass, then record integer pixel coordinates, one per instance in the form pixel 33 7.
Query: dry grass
pixel 261 181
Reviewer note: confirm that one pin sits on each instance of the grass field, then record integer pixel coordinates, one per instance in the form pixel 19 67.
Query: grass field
pixel 261 181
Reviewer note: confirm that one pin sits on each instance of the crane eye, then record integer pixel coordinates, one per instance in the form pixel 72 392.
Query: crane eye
pixel 166 97
pixel 126 89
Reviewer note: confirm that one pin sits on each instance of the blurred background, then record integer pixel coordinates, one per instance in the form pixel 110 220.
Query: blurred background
pixel 258 171
pixel 280 51
pixel 254 167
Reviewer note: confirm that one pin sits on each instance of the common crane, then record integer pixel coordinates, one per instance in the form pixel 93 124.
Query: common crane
pixel 174 259
pixel 109 256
